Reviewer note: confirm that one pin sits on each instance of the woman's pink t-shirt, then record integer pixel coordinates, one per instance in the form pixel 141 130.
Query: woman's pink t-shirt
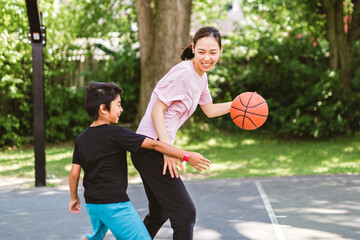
pixel 181 89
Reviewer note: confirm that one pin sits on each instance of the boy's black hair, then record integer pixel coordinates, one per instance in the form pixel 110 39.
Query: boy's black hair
pixel 98 93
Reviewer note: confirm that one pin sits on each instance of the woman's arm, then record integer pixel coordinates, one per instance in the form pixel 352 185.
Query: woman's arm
pixel 196 160
pixel 214 110
pixel 158 119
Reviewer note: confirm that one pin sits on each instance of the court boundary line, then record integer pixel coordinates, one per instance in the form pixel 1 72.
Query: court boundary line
pixel 276 226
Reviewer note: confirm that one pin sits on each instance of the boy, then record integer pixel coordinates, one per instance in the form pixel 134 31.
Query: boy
pixel 100 150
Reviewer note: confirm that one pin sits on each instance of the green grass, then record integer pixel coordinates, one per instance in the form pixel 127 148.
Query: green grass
pixel 248 154
pixel 241 154
pixel 20 162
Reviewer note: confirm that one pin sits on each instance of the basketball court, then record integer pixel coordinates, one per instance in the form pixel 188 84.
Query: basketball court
pixel 274 208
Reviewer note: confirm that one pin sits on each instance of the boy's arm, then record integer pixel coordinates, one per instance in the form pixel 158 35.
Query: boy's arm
pixel 74 205
pixel 195 159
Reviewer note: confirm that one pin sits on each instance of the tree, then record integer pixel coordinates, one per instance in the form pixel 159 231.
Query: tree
pixel 164 27
pixel 341 40
pixel 335 21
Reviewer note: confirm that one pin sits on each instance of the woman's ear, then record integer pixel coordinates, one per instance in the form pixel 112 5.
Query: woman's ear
pixel 193 48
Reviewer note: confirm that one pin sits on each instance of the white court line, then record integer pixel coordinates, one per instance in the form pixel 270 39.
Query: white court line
pixel 274 221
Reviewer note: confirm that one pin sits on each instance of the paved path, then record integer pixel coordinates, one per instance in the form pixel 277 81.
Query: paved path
pixel 275 208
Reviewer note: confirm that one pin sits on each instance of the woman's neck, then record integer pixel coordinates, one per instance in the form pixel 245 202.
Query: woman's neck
pixel 200 73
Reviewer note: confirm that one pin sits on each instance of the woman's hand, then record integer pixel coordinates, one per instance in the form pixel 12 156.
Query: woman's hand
pixel 198 161
pixel 170 163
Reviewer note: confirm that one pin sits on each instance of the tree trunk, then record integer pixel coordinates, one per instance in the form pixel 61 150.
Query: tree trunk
pixel 163 32
pixel 354 33
pixel 331 33
pixel 345 55
pixel 339 42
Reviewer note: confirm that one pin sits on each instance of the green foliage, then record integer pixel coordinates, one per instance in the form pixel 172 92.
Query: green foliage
pixel 65 116
pixel 9 129
pixel 15 70
pixel 66 22
pixel 122 68
pixel 95 19
pixel 280 51
pixel 126 75
pixel 14 89
pixel 204 17
pixel 282 54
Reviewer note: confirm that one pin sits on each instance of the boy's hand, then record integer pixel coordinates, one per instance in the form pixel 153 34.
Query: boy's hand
pixel 170 162
pixel 198 161
pixel 74 206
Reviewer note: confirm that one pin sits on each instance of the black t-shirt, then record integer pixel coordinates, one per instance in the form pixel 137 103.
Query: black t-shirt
pixel 101 152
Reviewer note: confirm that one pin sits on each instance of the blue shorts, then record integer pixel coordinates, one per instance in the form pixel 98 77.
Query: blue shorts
pixel 121 218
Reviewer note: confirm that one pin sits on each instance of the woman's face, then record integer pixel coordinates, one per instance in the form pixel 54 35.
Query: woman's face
pixel 207 53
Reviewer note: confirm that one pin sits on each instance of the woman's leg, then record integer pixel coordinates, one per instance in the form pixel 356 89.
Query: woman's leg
pixel 156 216
pixel 168 197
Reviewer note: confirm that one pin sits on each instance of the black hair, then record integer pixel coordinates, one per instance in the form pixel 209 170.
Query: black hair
pixel 98 93
pixel 187 52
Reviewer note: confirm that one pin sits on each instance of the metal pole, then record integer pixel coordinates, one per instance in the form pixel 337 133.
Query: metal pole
pixel 37 39
pixel 39 120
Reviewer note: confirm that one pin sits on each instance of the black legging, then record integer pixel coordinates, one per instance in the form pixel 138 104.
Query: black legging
pixel 168 197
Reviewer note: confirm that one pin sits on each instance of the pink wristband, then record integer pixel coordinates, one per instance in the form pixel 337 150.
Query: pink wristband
pixel 186 156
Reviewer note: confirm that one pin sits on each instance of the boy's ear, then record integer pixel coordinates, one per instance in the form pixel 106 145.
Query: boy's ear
pixel 102 109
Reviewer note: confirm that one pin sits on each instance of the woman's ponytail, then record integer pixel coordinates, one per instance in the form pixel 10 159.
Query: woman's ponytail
pixel 187 53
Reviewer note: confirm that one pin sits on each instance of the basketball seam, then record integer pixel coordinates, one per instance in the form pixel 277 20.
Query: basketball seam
pixel 246 118
pixel 241 101
pixel 251 121
pixel 249 112
pixel 243 123
pixel 257 105
pixel 243 111
pixel 258 115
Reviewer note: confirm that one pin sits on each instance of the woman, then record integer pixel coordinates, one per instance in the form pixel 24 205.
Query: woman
pixel 172 102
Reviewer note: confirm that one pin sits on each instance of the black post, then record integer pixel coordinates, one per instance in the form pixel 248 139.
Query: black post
pixel 37 38
pixel 39 122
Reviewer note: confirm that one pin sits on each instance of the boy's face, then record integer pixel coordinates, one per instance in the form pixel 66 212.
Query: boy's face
pixel 115 110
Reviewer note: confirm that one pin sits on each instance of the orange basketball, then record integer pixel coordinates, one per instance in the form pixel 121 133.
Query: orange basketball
pixel 249 110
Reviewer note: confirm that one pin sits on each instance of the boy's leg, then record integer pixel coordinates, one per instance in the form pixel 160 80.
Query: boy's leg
pixel 166 195
pixel 99 229
pixel 124 221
